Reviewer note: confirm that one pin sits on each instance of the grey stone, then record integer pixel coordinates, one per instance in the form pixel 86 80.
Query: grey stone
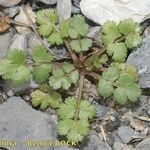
pixel 4 44
pixel 12 12
pixel 144 105
pixel 10 89
pixel 90 91
pixel 60 52
pixel 9 3
pixel 22 124
pixel 96 34
pixel 95 143
pixel 101 110
pixel 141 59
pixel 120 146
pixel 144 145
pixel 148 111
pixel 19 42
pixel 125 133
pixel 112 124
pixel 64 9
pixel 75 10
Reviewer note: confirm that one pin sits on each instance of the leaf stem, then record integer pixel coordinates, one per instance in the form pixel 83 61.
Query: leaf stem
pixel 81 85
pixel 94 75
pixel 97 51
pixel 72 54
pixel 40 63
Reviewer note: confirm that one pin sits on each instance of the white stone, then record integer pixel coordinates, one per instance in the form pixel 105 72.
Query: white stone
pixel 102 10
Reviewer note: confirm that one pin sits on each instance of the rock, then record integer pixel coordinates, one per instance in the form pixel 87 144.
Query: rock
pixel 95 143
pixel 27 98
pixel 112 124
pixel 96 34
pixel 120 146
pixel 143 105
pixel 9 3
pixel 19 42
pixel 3 97
pixel 41 4
pixel 136 124
pixel 10 89
pixel 101 111
pixel 89 91
pixel 140 58
pixel 125 133
pixel 64 9
pixel 4 44
pixel 144 145
pixel 146 32
pixel 110 138
pixel 60 52
pixel 148 111
pixel 23 19
pixel 100 11
pixel 12 12
pixel 24 125
pixel 75 10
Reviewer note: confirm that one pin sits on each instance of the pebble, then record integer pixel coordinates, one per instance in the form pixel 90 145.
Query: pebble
pixel 120 146
pixel 144 104
pixel 9 3
pixel 10 89
pixel 27 98
pixel 95 143
pixel 112 124
pixel 12 11
pixel 148 111
pixel 96 34
pixel 144 145
pixel 101 111
pixel 125 133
